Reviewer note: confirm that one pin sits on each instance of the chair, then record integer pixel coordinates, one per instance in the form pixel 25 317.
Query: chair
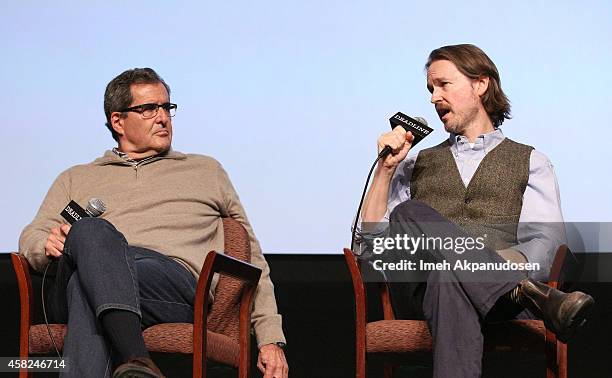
pixel 410 340
pixel 220 332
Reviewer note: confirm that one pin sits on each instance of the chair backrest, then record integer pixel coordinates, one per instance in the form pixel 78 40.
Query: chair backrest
pixel 224 312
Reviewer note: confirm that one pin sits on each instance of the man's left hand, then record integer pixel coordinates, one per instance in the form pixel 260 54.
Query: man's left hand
pixel 272 362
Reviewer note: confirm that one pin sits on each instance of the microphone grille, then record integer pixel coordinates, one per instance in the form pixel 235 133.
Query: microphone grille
pixel 422 120
pixel 95 207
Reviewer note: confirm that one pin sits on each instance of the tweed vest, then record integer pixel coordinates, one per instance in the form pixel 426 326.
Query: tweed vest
pixel 490 206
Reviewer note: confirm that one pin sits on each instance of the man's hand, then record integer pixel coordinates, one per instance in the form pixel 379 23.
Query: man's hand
pixel 375 204
pixel 400 142
pixel 55 241
pixel 272 362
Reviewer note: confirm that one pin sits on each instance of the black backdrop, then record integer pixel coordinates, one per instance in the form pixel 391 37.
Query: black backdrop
pixel 315 297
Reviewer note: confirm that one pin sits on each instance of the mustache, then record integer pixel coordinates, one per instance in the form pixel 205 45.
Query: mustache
pixel 442 109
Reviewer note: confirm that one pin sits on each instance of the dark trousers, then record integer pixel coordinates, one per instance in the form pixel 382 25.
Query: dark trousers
pixel 98 272
pixel 455 304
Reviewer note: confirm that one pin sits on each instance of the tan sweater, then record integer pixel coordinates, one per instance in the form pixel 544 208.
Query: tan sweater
pixel 172 204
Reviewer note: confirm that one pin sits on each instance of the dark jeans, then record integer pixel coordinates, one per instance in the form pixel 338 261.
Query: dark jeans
pixel 98 272
pixel 453 303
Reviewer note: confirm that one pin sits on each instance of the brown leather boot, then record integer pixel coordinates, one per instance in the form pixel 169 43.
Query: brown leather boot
pixel 563 313
pixel 138 368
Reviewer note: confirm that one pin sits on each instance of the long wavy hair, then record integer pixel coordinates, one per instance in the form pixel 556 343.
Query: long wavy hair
pixel 474 63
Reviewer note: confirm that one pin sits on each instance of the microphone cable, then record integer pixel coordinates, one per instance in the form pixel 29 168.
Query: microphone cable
pixel 382 154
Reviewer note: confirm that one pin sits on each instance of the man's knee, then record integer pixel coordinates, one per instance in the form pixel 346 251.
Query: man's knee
pixel 413 210
pixel 89 232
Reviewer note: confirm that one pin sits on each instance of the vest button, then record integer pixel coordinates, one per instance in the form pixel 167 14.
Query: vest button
pixel 467 200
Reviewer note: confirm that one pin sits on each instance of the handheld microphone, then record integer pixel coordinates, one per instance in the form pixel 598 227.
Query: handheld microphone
pixel 417 126
pixel 73 212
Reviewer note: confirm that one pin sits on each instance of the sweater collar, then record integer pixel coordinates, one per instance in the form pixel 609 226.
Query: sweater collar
pixel 111 158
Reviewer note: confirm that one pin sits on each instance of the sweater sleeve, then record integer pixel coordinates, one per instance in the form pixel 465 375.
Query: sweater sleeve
pixel 265 319
pixel 34 236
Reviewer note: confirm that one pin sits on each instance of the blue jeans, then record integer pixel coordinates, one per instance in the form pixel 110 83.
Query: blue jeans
pixel 99 271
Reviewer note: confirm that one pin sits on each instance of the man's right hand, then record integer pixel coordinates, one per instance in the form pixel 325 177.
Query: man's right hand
pixel 375 204
pixel 400 142
pixel 55 241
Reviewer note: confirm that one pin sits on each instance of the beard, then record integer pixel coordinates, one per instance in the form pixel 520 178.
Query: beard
pixel 460 121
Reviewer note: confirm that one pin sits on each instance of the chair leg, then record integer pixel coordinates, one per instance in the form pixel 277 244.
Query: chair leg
pixel 360 365
pixel 556 357
pixel 552 369
pixel 561 360
pixel 24 354
pixel 24 373
pixel 198 371
pixel 360 369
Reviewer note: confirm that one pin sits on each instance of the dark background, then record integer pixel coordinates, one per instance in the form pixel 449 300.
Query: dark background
pixel 315 297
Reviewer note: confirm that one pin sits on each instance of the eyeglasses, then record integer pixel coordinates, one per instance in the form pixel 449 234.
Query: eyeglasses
pixel 150 110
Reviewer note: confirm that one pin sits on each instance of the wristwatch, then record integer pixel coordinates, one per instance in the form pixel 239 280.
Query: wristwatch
pixel 281 345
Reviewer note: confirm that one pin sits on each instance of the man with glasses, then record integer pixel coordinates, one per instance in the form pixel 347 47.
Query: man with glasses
pixel 137 265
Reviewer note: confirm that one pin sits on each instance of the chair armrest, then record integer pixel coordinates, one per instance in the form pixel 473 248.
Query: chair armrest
pixel 556 350
pixel 219 263
pixel 563 261
pixel 26 300
pixel 233 267
pixel 360 307
pixel 24 283
pixel 358 287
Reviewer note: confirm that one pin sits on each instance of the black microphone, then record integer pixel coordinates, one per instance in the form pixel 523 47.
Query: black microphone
pixel 73 212
pixel 417 126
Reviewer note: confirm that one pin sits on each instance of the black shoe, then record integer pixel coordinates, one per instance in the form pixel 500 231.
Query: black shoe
pixel 138 368
pixel 563 313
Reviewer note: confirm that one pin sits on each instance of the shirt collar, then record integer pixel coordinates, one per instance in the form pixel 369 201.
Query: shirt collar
pixel 134 162
pixel 485 142
pixel 124 155
pixel 115 156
